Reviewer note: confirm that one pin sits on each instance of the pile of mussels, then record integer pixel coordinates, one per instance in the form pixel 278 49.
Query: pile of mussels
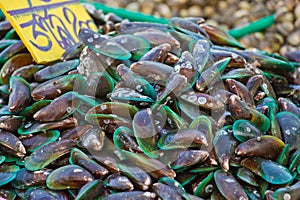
pixel 149 111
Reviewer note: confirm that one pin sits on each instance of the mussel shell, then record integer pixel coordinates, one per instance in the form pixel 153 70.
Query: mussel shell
pixel 154 72
pixel 103 45
pixel 60 108
pixel 124 139
pixel 290 128
pixel 182 138
pixel 244 130
pixel 7 194
pixel 205 187
pixel 25 179
pixel 127 95
pixel 247 176
pixel 55 87
pixel 29 111
pixel 11 145
pixel 152 166
pixel 131 195
pixel 118 182
pixel 13 64
pixel 138 176
pixel 224 145
pixel 48 153
pixel 93 139
pixel 145 132
pixel 166 192
pixel 37 193
pixel 189 157
pixel 91 190
pixel 55 70
pixel 228 186
pixel 37 141
pixel 266 146
pixel 270 171
pixel 75 133
pixel 291 192
pixel 8 173
pixel 11 123
pixel 121 109
pixel 175 185
pixel 19 96
pixel 157 54
pixel 137 46
pixel 36 127
pixel 79 158
pixel 11 50
pixel 286 104
pixel 68 177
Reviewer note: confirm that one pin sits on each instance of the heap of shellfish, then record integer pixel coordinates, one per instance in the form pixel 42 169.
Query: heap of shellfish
pixel 149 111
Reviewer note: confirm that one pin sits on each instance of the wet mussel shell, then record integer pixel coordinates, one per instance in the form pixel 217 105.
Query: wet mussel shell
pixel 68 177
pixel 26 179
pixel 8 173
pixel 48 153
pixel 268 170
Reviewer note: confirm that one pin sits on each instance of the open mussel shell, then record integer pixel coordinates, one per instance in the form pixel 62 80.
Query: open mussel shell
pixel 8 173
pixel 228 186
pixel 68 177
pixel 268 170
pixel 26 179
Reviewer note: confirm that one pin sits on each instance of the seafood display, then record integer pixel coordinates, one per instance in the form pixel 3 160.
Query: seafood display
pixel 140 110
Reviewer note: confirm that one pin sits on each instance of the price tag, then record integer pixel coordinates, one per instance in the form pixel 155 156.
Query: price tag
pixel 47 27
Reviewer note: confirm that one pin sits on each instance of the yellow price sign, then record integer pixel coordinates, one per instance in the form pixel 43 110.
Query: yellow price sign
pixel 47 27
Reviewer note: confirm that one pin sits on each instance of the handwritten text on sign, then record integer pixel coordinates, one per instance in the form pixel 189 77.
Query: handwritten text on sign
pixel 47 27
